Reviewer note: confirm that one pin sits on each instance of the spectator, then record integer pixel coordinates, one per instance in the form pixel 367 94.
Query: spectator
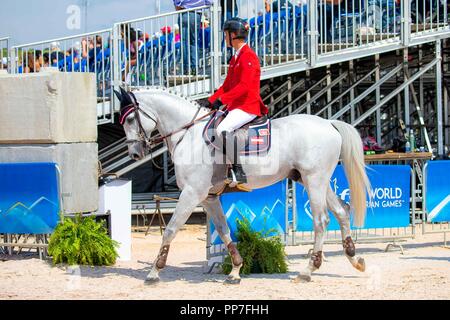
pixel 280 5
pixel 177 33
pixel 46 59
pixel 33 61
pixel 190 24
pixel 130 40
pixel 229 9
pixel 4 63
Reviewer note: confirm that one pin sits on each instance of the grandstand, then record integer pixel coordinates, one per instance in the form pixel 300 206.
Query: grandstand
pixel 368 62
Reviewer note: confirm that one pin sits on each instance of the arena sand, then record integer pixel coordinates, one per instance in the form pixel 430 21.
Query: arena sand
pixel 423 272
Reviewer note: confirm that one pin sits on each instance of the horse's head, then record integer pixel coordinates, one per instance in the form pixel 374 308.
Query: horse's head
pixel 137 123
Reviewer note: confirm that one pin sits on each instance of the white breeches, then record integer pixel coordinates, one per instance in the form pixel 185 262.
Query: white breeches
pixel 234 120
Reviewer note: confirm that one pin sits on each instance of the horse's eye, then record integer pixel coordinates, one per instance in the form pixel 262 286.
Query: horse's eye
pixel 130 119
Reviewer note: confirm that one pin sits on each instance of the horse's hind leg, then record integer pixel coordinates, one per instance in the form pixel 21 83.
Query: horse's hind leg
pixel 190 198
pixel 317 188
pixel 214 209
pixel 341 211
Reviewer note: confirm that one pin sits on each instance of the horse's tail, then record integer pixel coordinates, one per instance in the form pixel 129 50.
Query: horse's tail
pixel 352 155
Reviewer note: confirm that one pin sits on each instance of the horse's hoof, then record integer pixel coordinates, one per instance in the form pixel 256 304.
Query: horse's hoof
pixel 302 278
pixel 361 265
pixel 151 280
pixel 232 281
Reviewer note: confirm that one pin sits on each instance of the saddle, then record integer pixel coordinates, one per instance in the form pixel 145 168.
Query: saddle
pixel 255 135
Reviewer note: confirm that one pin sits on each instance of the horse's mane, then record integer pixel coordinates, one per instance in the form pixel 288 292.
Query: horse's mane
pixel 174 93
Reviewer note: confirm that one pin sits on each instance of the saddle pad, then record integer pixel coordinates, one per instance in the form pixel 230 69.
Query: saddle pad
pixel 257 136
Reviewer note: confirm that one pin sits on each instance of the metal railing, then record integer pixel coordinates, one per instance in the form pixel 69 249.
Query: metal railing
pixel 85 53
pixel 278 31
pixel 344 24
pixel 4 53
pixel 429 16
pixel 170 50
pixel 186 50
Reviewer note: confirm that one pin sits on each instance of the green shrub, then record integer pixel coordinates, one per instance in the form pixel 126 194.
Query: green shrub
pixel 82 241
pixel 261 254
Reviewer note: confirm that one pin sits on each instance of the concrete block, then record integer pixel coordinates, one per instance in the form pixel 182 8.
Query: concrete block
pixel 78 163
pixel 48 107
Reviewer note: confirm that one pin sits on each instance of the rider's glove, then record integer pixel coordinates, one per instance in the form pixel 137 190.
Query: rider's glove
pixel 216 105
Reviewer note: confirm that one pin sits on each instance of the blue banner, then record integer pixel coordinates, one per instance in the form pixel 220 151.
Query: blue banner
pixel 438 191
pixel 29 198
pixel 264 208
pixel 389 205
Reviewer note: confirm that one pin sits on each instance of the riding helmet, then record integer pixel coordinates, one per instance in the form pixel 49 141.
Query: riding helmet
pixel 238 26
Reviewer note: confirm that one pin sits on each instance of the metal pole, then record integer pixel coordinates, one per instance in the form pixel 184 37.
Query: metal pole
pixel 406 22
pixel 378 98
pixel 289 86
pixel 294 213
pixel 352 92
pixel 413 201
pixel 216 52
pixel 406 91
pixel 421 98
pixel 12 61
pixel 439 98
pixel 116 76
pixel 313 34
pixel 424 198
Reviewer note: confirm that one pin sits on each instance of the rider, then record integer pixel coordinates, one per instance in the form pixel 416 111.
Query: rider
pixel 240 91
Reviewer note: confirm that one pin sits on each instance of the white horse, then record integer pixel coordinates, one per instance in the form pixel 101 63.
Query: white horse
pixel 305 149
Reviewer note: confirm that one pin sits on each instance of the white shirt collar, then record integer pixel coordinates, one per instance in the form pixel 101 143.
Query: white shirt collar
pixel 239 51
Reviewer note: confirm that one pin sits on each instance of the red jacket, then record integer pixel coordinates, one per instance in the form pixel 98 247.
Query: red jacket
pixel 242 85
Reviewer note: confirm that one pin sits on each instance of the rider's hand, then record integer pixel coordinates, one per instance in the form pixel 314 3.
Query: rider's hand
pixel 216 105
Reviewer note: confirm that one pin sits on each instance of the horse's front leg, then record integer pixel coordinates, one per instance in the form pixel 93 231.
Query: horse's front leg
pixel 214 209
pixel 189 199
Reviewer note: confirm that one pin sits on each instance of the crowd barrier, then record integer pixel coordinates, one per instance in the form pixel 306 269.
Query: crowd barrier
pixel 392 213
pixel 388 216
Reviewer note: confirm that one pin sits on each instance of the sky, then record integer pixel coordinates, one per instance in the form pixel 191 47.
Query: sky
pixel 26 21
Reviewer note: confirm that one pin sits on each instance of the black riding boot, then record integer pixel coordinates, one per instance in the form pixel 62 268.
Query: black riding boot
pixel 231 153
pixel 239 173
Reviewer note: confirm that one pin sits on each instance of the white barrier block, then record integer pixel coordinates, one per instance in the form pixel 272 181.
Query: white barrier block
pixel 48 107
pixel 115 197
pixel 78 163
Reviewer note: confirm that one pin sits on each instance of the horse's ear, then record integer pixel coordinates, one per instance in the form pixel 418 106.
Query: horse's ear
pixel 123 92
pixel 118 95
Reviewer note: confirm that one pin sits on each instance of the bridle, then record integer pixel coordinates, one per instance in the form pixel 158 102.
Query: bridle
pixel 149 142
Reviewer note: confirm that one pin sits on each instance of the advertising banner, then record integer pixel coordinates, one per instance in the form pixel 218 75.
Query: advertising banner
pixel 264 208
pixel 389 204
pixel 29 198
pixel 437 188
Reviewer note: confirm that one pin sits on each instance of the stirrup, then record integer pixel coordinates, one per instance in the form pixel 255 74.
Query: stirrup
pixel 233 183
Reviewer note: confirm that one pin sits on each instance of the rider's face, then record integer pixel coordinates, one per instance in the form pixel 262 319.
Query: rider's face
pixel 228 37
